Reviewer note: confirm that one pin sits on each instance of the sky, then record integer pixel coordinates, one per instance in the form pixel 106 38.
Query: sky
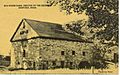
pixel 10 18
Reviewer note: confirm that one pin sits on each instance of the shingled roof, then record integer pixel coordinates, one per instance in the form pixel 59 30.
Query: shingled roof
pixel 51 30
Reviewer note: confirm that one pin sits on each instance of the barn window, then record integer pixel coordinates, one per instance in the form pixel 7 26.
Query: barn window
pixel 83 53
pixel 54 63
pixel 24 53
pixel 109 51
pixel 71 63
pixel 26 31
pixel 18 63
pixel 46 62
pixel 22 32
pixel 73 52
pixel 62 52
pixel 34 65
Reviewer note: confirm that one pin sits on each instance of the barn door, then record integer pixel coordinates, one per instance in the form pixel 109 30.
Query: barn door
pixel 62 64
pixel 115 57
pixel 34 65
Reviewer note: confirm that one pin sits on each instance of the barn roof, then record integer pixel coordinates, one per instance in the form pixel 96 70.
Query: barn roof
pixel 51 30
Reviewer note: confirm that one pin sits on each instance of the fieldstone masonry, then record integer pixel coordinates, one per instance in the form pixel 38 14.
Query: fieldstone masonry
pixel 49 52
pixel 51 47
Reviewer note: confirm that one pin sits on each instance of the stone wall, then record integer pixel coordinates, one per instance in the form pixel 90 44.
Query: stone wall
pixel 50 50
pixel 48 54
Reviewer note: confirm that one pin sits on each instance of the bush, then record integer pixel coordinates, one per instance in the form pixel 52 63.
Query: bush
pixel 12 69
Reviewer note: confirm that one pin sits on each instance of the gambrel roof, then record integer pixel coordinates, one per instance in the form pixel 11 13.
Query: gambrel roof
pixel 51 30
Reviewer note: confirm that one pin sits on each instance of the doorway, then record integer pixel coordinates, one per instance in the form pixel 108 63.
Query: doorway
pixel 62 64
pixel 34 65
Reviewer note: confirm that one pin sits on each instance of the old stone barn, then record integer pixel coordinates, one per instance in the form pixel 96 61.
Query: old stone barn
pixel 44 45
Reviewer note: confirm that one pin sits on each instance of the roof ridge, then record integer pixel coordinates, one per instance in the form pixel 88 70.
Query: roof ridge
pixel 42 21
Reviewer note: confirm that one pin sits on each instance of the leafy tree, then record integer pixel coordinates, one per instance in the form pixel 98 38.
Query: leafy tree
pixel 75 27
pixel 102 14
pixel 99 50
pixel 102 24
pixel 81 28
pixel 98 54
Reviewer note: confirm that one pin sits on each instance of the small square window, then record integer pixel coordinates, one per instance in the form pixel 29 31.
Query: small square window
pixel 62 52
pixel 83 53
pixel 18 63
pixel 46 62
pixel 109 51
pixel 54 63
pixel 73 52
pixel 26 31
pixel 22 32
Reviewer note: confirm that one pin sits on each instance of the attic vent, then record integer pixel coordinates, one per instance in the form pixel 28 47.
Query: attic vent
pixel 23 24
pixel 24 53
pixel 26 31
pixel 22 32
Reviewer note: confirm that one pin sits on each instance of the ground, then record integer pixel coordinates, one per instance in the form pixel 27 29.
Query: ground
pixel 113 70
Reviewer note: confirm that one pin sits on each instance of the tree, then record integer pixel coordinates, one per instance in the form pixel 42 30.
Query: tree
pixel 99 50
pixel 98 54
pixel 102 14
pixel 102 24
pixel 81 28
